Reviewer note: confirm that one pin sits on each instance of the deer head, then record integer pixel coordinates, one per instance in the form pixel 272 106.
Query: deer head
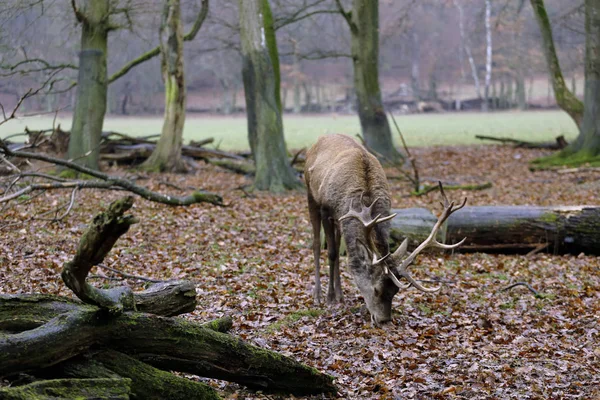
pixel 378 277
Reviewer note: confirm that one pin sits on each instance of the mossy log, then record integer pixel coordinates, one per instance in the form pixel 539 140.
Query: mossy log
pixel 69 389
pixel 166 343
pixel 147 382
pixel 557 230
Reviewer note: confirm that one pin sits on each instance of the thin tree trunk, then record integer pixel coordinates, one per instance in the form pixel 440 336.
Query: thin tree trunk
pixel 92 84
pixel 296 71
pixel 364 28
pixel 488 54
pixel 167 154
pixel 520 91
pixel 467 48
pixel 415 68
pixel 260 70
pixel 564 98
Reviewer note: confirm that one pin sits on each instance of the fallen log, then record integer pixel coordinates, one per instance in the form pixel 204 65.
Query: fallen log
pixel 559 144
pixel 166 343
pixel 509 229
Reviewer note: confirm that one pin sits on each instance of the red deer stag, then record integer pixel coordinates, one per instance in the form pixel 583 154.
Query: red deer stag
pixel 342 178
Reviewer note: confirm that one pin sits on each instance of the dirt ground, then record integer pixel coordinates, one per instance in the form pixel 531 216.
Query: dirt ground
pixel 252 260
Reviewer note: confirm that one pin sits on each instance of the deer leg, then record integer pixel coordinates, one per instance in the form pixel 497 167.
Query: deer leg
pixel 315 220
pixel 339 297
pixel 333 255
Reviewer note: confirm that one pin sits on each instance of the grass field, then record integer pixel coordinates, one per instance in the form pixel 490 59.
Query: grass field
pixel 418 129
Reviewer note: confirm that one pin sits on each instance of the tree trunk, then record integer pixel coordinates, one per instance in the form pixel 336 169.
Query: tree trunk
pixel 564 98
pixel 415 67
pixel 508 228
pixel 364 29
pixel 167 154
pixel 488 55
pixel 520 92
pixel 92 84
pixel 587 144
pixel 260 70
pixel 466 46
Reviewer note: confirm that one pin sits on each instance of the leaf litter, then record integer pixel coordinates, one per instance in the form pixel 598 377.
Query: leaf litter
pixel 253 261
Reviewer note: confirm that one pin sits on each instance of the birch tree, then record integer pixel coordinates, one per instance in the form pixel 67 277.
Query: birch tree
pixel 488 55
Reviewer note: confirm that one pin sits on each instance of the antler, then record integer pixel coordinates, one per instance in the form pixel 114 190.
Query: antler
pixel 364 215
pixel 431 241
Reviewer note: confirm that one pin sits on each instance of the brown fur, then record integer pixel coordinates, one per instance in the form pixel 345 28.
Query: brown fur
pixel 338 173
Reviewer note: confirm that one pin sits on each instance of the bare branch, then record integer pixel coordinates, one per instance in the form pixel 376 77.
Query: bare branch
pixel 347 16
pixel 110 182
pixel 156 51
pixel 78 14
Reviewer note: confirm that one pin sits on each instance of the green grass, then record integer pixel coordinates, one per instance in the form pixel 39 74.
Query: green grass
pixel 294 317
pixel 300 131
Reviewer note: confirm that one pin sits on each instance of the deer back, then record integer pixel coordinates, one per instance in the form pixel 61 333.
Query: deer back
pixel 339 170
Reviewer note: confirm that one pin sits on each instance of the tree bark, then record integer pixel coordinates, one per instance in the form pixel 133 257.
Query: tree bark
pixel 508 228
pixel 415 66
pixel 564 98
pixel 167 154
pixel 364 30
pixel 69 389
pixel 92 84
pixel 96 242
pixel 467 47
pixel 587 143
pixel 166 343
pixel 260 68
pixel 488 55
pixel 147 382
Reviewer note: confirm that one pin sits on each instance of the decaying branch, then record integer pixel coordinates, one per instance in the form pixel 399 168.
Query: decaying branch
pixel 106 181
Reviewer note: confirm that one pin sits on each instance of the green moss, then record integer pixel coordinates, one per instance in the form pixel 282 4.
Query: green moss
pixel 508 305
pixel 549 217
pixel 566 158
pixel 294 317
pixel 103 388
pixel 72 174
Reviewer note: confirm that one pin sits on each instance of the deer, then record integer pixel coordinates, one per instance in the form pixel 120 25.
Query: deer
pixel 348 195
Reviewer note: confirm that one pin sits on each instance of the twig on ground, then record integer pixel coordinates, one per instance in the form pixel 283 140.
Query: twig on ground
pixel 527 285
pixel 130 276
pixel 539 248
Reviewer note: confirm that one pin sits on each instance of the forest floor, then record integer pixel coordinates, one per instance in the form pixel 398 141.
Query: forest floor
pixel 252 260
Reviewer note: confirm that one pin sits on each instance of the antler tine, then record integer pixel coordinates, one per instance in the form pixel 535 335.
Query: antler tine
pixel 364 215
pixel 431 241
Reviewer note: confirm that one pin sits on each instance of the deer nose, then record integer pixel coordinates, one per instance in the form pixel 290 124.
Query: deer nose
pixel 379 321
